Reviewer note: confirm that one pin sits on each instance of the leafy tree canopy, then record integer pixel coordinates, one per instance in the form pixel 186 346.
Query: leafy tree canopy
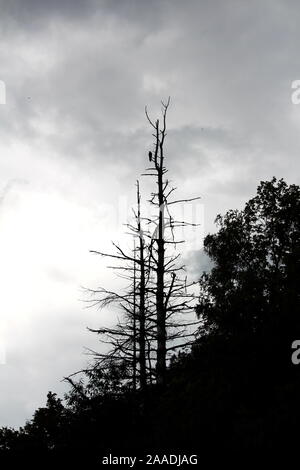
pixel 253 285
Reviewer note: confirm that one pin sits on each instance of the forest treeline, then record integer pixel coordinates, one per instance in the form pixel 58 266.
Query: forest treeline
pixel 203 368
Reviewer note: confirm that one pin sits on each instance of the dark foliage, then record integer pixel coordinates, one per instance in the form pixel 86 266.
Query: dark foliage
pixel 235 392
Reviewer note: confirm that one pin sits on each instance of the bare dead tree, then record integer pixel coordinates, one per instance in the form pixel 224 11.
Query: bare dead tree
pixel 129 338
pixel 142 294
pixel 173 297
pixel 158 303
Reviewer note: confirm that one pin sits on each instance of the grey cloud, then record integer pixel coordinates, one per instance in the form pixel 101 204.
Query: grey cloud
pixel 198 262
pixel 29 12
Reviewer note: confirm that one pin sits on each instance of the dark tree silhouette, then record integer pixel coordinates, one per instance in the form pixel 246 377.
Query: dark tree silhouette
pixel 174 296
pixel 236 391
pixel 128 339
pixel 253 286
pixel 159 302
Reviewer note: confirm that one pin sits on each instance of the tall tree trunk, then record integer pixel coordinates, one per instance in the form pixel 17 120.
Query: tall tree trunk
pixel 142 291
pixel 160 306
pixel 134 359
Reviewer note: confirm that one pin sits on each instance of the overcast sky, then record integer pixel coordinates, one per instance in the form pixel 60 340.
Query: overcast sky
pixel 73 139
